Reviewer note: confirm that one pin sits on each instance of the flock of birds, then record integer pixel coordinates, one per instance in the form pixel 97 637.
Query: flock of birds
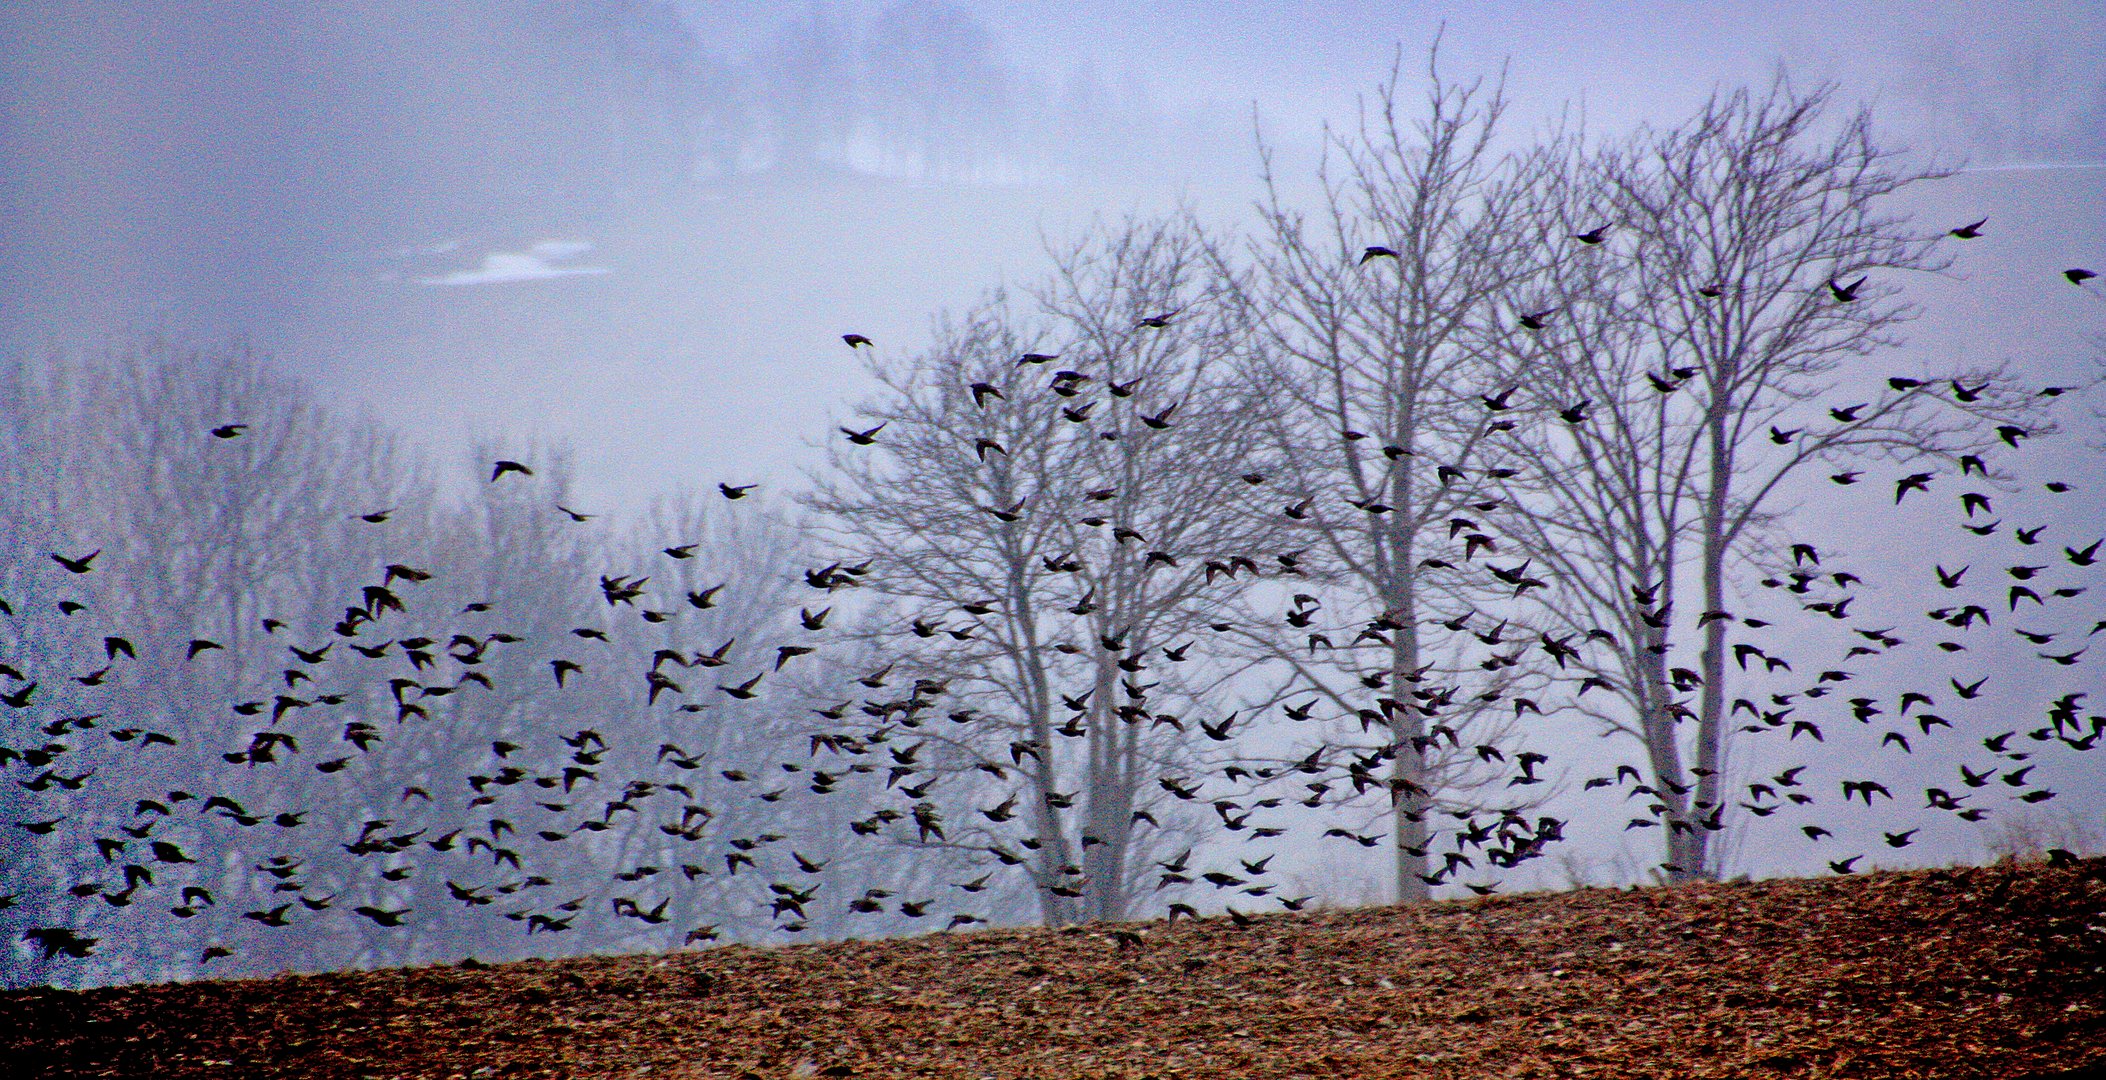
pixel 876 732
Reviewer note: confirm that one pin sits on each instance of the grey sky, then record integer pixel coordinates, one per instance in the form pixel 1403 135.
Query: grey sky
pixel 711 341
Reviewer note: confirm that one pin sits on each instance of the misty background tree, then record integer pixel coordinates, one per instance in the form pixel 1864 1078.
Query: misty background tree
pixel 230 609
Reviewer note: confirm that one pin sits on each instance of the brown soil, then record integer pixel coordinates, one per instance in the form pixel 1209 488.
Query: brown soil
pixel 1979 972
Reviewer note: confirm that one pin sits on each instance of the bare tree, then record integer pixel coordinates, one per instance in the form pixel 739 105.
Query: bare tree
pixel 934 91
pixel 1373 315
pixel 1706 285
pixel 200 536
pixel 354 686
pixel 807 91
pixel 1078 534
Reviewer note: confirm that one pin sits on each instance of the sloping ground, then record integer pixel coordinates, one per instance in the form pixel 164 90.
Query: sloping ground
pixel 1981 972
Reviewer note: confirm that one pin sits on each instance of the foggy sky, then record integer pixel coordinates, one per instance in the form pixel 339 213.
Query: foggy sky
pixel 251 169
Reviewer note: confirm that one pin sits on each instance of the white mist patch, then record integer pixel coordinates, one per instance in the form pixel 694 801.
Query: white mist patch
pixel 560 249
pixel 2035 166
pixel 533 264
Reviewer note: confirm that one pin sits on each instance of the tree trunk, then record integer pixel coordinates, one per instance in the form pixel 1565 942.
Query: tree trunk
pixel 1711 714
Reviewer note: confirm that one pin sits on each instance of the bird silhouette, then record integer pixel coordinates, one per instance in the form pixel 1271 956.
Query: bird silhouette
pixel 382 916
pixel 80 565
pixel 1844 294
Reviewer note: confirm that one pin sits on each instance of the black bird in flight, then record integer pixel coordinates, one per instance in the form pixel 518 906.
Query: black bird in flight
pixel 77 566
pixel 2077 275
pixel 503 467
pixel 1844 293
pixel 1376 252
pixel 857 341
pixel 228 431
pixel 382 916
pixel 737 492
pixel 1968 232
pixel 864 438
pixel 1593 236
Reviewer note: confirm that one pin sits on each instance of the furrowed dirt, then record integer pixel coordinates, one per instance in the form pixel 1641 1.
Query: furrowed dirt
pixel 1968 972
